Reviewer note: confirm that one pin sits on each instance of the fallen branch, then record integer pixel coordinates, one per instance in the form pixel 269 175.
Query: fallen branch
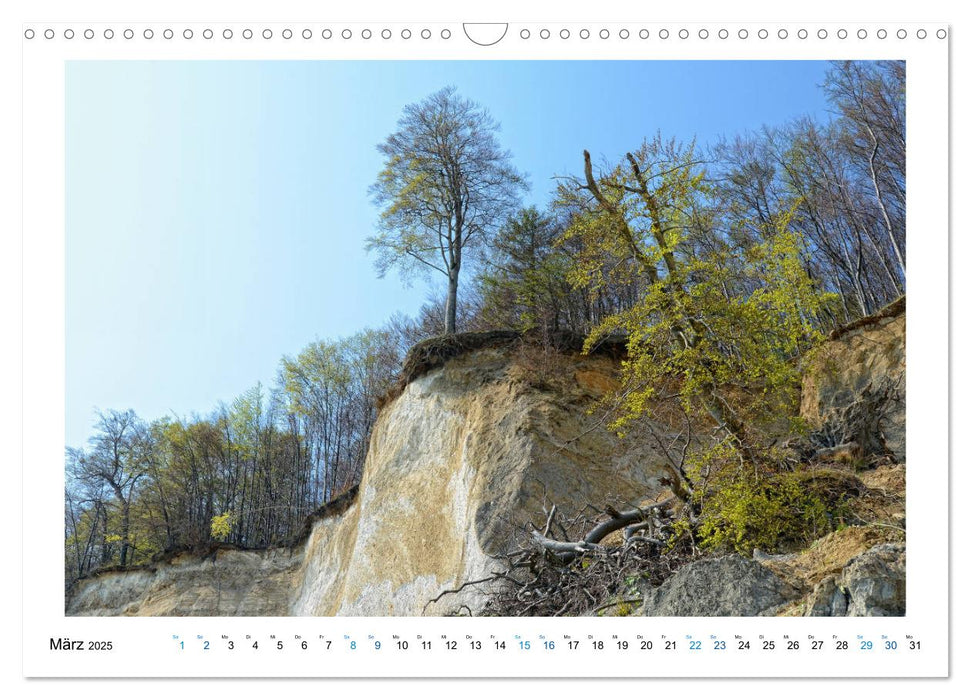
pixel 631 530
pixel 561 565
pixel 457 590
pixel 619 519
pixel 644 540
pixel 562 547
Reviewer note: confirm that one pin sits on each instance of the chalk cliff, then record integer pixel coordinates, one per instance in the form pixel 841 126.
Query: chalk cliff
pixel 463 455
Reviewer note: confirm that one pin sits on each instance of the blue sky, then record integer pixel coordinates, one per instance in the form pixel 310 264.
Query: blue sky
pixel 217 211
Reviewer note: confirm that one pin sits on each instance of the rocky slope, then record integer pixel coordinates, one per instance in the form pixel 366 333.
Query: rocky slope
pixel 223 582
pixel 475 445
pixel 858 570
pixel 860 364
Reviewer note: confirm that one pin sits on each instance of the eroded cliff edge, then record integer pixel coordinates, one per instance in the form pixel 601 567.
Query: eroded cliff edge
pixel 462 455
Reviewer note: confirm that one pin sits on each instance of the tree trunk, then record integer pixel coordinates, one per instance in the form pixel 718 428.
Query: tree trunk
pixel 883 209
pixel 106 548
pixel 452 300
pixel 125 528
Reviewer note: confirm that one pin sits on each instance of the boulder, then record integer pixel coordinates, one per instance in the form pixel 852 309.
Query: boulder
pixel 730 586
pixel 873 584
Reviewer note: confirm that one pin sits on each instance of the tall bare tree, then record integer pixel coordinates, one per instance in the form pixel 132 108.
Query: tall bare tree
pixel 116 460
pixel 446 186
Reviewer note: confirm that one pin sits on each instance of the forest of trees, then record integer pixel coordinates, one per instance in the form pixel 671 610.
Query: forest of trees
pixel 248 473
pixel 839 186
pixel 776 236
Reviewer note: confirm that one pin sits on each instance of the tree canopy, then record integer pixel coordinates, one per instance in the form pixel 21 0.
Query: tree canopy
pixel 445 187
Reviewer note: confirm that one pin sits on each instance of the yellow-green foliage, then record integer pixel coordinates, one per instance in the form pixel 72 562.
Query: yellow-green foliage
pixel 749 339
pixel 720 319
pixel 221 526
pixel 718 315
pixel 779 512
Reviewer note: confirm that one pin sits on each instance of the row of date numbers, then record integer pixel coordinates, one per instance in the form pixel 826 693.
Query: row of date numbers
pixel 548 645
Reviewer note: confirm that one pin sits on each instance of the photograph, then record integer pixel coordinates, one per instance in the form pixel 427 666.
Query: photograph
pixel 511 338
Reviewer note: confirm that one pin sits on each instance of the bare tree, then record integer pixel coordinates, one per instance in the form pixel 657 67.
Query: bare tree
pixel 116 460
pixel 445 187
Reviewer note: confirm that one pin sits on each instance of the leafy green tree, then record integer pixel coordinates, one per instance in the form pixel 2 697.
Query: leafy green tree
pixel 716 327
pixel 446 185
pixel 332 387
pixel 525 279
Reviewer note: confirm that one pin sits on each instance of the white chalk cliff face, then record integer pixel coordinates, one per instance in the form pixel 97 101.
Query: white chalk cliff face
pixel 464 456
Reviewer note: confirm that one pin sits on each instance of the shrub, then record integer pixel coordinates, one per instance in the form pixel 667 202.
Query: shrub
pixel 779 512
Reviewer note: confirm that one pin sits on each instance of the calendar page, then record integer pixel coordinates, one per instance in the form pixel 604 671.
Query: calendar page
pixel 441 348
